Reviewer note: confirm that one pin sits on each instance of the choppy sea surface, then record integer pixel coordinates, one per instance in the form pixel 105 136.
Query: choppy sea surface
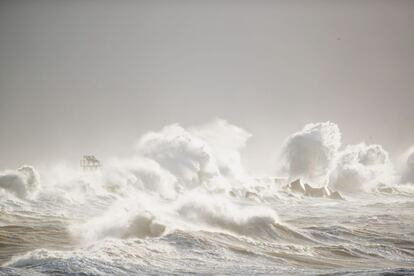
pixel 89 231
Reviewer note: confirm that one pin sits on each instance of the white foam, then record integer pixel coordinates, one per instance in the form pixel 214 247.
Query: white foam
pixel 361 167
pixel 141 174
pixel 183 178
pixel 219 211
pixel 310 153
pixel 186 156
pixel 226 142
pixel 23 182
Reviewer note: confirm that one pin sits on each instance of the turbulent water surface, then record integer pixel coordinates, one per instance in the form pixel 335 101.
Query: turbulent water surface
pixel 371 233
pixel 184 205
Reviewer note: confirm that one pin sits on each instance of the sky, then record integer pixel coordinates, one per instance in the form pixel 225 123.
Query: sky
pixel 91 77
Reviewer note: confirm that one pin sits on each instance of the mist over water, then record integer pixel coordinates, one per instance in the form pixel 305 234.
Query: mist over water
pixel 183 203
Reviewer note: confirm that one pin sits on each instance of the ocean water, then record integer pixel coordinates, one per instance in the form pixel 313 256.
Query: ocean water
pixel 184 204
pixel 84 230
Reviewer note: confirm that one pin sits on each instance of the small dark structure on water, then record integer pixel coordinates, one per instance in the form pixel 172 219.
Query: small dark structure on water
pixel 89 163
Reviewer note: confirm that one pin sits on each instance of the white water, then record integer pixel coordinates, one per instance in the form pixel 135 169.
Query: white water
pixel 182 203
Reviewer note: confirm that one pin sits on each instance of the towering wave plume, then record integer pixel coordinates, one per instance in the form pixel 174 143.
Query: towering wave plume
pixel 186 156
pixel 360 167
pixel 199 155
pixel 314 154
pixel 183 198
pixel 226 142
pixel 23 182
pixel 173 167
pixel 310 153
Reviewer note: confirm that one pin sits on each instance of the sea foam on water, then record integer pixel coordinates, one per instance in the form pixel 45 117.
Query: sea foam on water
pixel 186 187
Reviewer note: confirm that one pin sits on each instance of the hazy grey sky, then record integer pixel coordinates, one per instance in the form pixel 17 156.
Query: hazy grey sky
pixel 92 76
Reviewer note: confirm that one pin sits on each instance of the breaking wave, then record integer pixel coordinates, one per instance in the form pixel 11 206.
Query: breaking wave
pixel 183 199
pixel 23 182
